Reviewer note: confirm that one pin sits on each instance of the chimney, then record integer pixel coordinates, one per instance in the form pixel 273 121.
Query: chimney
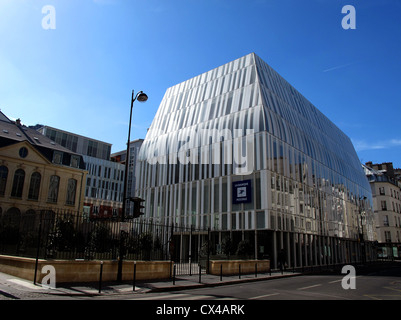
pixel 18 121
pixel 369 164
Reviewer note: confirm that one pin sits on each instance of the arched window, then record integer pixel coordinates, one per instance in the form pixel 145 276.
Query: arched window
pixel 71 191
pixel 18 183
pixel 34 186
pixel 53 189
pixel 3 179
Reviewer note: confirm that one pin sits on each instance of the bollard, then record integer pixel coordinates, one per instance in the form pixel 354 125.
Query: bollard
pixel 200 272
pixel 100 276
pixel 221 272
pixel 239 271
pixel 256 270
pixel 133 285
pixel 174 275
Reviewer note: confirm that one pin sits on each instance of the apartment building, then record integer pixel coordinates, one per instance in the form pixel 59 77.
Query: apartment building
pixel 386 191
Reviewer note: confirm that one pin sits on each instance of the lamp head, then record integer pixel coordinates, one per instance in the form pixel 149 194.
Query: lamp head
pixel 142 97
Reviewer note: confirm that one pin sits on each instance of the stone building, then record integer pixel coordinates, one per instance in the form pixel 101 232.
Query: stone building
pixel 36 173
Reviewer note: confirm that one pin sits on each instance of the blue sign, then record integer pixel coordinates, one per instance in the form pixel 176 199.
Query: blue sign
pixel 242 192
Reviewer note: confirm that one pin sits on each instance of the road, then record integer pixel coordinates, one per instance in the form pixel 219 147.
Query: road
pixel 372 284
pixel 376 285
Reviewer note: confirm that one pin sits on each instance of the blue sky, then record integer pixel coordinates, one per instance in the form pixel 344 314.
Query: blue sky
pixel 79 76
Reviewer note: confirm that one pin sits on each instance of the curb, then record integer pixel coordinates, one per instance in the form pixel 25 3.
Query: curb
pixel 221 283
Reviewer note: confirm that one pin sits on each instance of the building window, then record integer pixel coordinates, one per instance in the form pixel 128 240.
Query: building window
pixel 3 179
pixel 385 221
pixel 74 161
pixel 387 236
pixel 57 157
pixel 34 186
pixel 18 183
pixel 95 210
pixel 53 189
pixel 381 191
pixel 384 205
pixel 71 191
pixel 260 220
pixel 115 213
pixel 23 152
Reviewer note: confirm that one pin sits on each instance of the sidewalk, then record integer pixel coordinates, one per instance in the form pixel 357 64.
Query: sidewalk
pixel 182 282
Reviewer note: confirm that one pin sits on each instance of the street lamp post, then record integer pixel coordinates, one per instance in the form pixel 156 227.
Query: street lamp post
pixel 141 97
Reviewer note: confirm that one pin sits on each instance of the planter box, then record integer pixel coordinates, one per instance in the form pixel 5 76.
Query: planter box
pixel 84 271
pixel 230 267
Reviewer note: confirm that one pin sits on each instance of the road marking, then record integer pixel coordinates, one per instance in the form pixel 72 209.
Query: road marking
pixel 164 297
pixel 304 288
pixel 264 296
pixel 198 297
pixel 336 281
pixel 372 297
pixel 182 296
pixel 385 296
pixel 389 288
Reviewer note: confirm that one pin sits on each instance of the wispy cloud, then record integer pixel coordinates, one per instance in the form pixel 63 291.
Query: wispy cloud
pixel 338 67
pixel 362 145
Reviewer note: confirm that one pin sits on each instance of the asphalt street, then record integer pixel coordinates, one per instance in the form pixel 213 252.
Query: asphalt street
pixel 378 282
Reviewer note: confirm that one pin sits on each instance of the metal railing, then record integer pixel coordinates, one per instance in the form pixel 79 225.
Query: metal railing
pixel 49 234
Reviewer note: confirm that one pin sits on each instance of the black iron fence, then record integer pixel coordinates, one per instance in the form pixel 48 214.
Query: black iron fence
pixel 69 236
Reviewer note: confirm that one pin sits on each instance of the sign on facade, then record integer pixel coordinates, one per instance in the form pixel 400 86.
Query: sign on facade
pixel 242 192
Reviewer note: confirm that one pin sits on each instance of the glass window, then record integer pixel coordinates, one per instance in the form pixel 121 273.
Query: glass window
pixel 224 222
pixel 3 179
pixel 260 220
pixel 233 221
pixel 53 189
pixel 71 191
pixel 18 183
pixel 75 161
pixel 34 186
pixel 57 157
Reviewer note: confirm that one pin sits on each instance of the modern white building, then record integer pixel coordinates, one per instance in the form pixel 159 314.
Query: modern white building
pixel 239 151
